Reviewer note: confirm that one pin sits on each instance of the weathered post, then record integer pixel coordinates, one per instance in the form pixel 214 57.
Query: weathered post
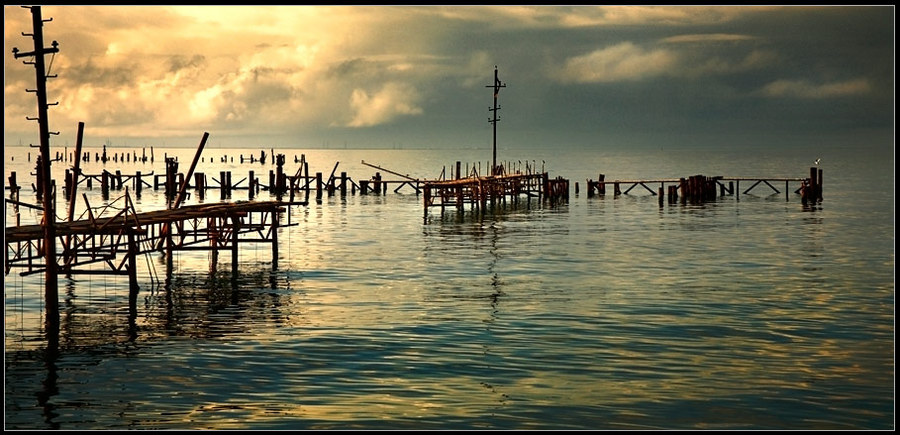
pixel 132 274
pixel 171 169
pixel 813 184
pixel 427 197
pixel 279 174
pixel 306 176
pixel 104 183
pixel 235 231
pixel 318 187
pixel 138 183
pixel 819 189
pixel 804 192
pixel 222 185
pixel 13 187
pixel 48 223
pixel 274 238
pixel 67 188
pixel 199 185
pixel 252 186
pixel 377 179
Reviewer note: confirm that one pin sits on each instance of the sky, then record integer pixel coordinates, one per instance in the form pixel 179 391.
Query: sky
pixel 422 76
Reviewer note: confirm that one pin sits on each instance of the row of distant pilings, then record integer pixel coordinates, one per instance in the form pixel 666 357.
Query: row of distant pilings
pixel 696 188
pixel 124 157
pixel 279 182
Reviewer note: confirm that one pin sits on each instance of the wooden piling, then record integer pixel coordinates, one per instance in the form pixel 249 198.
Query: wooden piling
pixel 274 229
pixel 318 186
pixel 235 232
pixel 280 184
pixel 223 186
pixel 138 184
pixel 819 187
pixel 13 187
pixel 67 187
pixel 104 183
pixel 252 186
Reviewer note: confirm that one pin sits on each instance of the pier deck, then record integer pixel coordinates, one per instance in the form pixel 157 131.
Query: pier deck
pixel 117 240
pixel 479 190
pixel 686 186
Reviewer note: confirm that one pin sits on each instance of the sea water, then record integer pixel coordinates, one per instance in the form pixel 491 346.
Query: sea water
pixel 750 311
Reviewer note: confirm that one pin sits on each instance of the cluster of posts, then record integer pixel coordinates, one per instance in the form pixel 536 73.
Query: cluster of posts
pixel 699 188
pixel 811 189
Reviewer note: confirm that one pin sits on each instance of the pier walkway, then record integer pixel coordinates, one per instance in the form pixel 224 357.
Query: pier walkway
pixel 116 241
pixel 477 191
pixel 703 187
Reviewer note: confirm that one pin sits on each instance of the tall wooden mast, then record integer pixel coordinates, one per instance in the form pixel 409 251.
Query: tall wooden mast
pixel 51 291
pixel 497 85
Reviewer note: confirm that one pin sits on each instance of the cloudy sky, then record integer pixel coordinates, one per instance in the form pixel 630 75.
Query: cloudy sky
pixel 418 77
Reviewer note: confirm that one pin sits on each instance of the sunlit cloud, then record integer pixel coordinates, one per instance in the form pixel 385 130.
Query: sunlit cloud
pixel 621 62
pixel 709 37
pixel 391 101
pixel 693 55
pixel 596 16
pixel 805 89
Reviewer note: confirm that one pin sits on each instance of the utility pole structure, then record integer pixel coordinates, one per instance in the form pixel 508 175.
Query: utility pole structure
pixel 51 290
pixel 497 85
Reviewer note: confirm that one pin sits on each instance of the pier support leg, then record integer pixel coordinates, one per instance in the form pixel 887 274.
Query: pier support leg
pixel 132 277
pixel 318 187
pixel 235 231
pixel 274 239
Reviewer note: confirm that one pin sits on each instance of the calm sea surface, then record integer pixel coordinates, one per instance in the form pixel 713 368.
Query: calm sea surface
pixel 747 312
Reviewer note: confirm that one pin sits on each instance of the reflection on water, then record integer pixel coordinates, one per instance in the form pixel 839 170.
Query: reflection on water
pixel 602 313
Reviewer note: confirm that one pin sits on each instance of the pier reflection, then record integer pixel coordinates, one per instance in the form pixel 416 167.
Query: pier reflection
pixel 100 323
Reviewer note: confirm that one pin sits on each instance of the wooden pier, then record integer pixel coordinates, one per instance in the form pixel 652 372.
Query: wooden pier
pixel 700 187
pixel 479 191
pixel 116 241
